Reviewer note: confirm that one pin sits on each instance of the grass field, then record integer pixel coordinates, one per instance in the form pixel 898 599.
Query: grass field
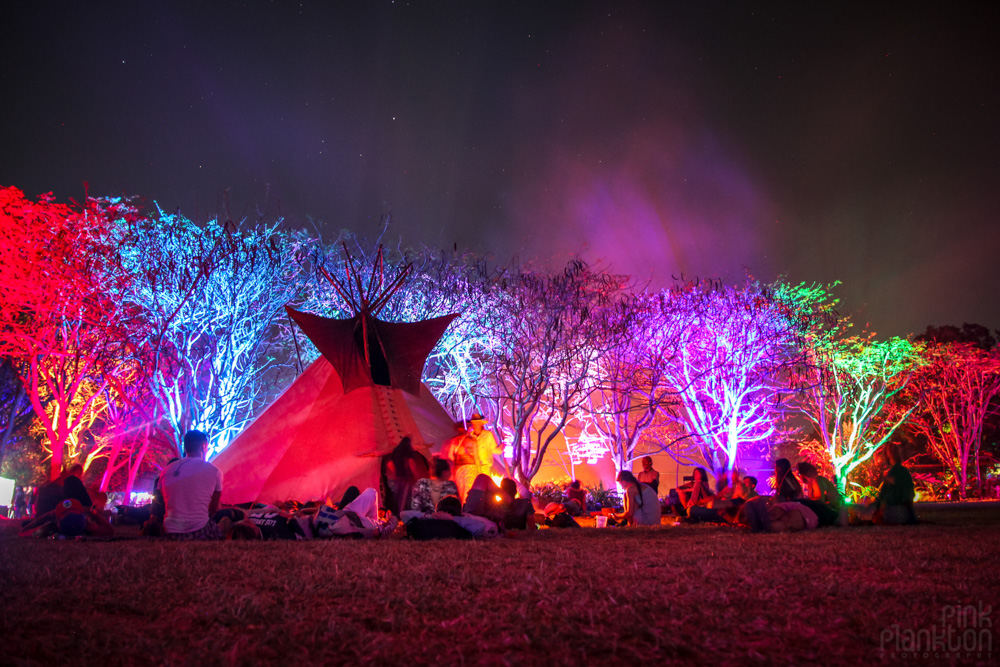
pixel 684 594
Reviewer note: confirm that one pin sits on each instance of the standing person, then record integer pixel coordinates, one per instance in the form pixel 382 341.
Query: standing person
pixel 461 451
pixel 191 490
pixel 20 503
pixel 642 507
pixel 648 476
pixel 486 446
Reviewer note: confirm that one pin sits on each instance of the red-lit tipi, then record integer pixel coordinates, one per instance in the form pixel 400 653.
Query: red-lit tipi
pixel 330 428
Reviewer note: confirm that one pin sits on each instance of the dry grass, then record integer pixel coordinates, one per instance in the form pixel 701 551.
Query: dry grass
pixel 693 594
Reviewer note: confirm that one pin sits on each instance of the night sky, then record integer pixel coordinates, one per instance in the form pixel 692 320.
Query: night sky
pixel 823 141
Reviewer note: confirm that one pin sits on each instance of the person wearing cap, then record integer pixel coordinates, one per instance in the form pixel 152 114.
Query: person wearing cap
pixel 485 446
pixel 192 488
pixel 70 519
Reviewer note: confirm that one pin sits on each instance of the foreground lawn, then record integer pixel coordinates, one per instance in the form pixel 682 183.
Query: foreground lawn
pixel 692 594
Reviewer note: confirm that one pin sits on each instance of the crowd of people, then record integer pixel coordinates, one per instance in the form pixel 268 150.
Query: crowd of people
pixel 455 495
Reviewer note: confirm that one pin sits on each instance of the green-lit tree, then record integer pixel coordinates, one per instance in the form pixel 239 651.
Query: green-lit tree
pixel 853 385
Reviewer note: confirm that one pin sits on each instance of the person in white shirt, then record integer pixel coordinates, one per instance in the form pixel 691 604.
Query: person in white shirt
pixel 191 490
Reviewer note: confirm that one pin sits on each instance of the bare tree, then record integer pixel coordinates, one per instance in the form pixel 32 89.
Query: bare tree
pixel 547 332
pixel 209 296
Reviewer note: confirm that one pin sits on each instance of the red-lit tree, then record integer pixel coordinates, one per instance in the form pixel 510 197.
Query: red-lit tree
pixel 958 389
pixel 59 272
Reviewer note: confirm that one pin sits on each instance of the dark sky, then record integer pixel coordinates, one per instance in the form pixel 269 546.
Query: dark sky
pixel 823 141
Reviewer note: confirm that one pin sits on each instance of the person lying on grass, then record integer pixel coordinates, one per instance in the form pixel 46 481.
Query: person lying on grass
pixel 69 519
pixel 642 507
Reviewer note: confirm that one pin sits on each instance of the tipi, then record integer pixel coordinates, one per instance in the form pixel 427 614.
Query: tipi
pixel 331 427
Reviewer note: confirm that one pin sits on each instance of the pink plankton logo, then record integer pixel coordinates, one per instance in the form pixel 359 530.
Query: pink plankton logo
pixel 963 631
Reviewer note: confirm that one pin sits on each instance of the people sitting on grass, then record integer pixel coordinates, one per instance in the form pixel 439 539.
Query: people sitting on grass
pixel 894 502
pixel 69 519
pixel 818 489
pixel 648 475
pixel 641 505
pixel 191 490
pixel 696 494
pixel 430 490
pixel 485 499
pixel 786 486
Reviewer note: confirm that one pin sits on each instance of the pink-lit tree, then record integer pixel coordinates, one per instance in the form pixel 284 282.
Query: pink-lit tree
pixel 958 390
pixel 547 332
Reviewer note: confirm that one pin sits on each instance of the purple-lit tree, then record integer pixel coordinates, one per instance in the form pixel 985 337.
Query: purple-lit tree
pixel 547 332
pixel 210 295
pixel 854 384
pixel 731 369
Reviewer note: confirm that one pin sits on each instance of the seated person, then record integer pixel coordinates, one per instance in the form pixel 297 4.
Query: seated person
pixel 642 506
pixel 786 486
pixel 575 492
pixel 698 494
pixel 70 519
pixel 191 490
pixel 648 476
pixel 821 494
pixel 429 491
pixel 485 499
pixel 748 488
pixel 817 487
pixel 894 502
pixel 519 512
